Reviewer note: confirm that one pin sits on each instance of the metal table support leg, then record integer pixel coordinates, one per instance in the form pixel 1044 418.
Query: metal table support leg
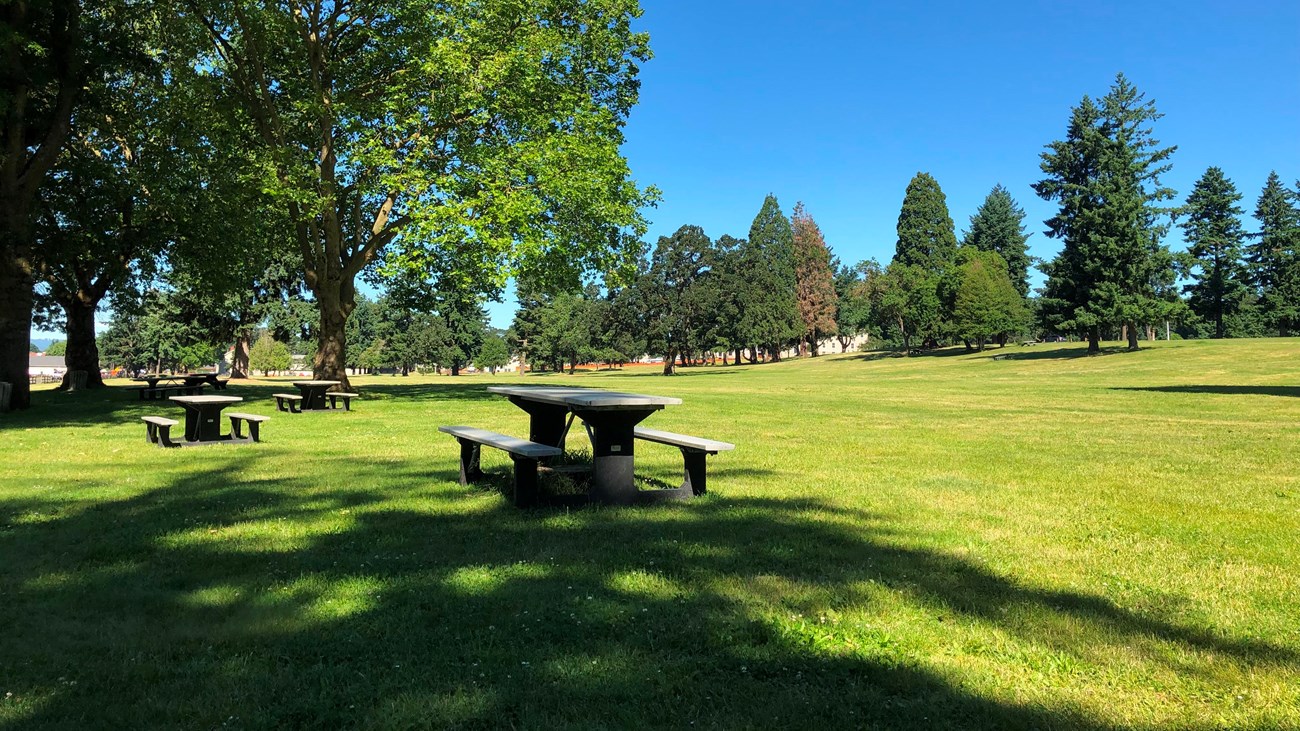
pixel 613 452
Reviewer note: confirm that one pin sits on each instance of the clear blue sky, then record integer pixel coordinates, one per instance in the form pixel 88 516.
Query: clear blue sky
pixel 839 103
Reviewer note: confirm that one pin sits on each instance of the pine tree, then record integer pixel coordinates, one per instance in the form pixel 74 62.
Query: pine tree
pixel 926 236
pixel 1273 258
pixel 770 314
pixel 1214 236
pixel 1113 268
pixel 998 226
pixel 814 281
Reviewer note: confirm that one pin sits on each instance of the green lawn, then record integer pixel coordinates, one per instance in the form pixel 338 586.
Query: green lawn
pixel 1040 541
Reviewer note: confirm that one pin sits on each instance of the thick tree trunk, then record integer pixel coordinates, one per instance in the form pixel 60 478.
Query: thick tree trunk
pixel 330 363
pixel 670 359
pixel 83 352
pixel 1094 339
pixel 1131 331
pixel 455 369
pixel 15 323
pixel 812 347
pixel 776 353
pixel 243 347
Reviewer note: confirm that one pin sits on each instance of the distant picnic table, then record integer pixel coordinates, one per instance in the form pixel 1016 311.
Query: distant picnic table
pixel 313 394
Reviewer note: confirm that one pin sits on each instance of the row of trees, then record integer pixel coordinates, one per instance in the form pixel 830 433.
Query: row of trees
pixel 239 156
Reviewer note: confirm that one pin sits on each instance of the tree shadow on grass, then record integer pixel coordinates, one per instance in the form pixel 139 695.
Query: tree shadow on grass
pixel 228 598
pixel 114 405
pixel 1287 391
pixel 1078 350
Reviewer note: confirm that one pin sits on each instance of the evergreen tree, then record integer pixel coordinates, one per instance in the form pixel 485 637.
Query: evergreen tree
pixel 1105 176
pixel 1273 258
pixel 987 303
pixel 493 354
pixel 814 281
pixel 769 311
pixel 1214 237
pixel 998 226
pixel 926 235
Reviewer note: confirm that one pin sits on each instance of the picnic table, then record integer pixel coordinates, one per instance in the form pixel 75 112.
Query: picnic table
pixel 193 379
pixel 612 417
pixel 313 394
pixel 203 416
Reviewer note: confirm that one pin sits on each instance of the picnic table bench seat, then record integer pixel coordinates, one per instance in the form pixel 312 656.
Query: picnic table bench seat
pixel 158 430
pixel 254 421
pixel 290 402
pixel 695 450
pixel 524 453
pixel 347 399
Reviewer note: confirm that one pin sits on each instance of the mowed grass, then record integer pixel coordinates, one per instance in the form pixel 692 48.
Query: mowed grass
pixel 1043 540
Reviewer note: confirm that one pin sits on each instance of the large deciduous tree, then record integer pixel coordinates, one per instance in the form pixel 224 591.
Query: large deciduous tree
pixel 814 281
pixel 674 294
pixel 48 51
pixel 492 127
pixel 998 226
pixel 1105 176
pixel 1214 236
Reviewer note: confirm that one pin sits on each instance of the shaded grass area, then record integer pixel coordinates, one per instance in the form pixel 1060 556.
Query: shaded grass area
pixel 938 543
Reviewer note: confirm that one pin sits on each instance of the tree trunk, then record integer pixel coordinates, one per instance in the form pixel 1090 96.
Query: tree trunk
pixel 753 355
pixel 455 369
pixel 1094 339
pixel 669 360
pixel 15 322
pixel 83 352
pixel 776 354
pixel 243 346
pixel 330 363
pixel 812 347
pixel 1131 331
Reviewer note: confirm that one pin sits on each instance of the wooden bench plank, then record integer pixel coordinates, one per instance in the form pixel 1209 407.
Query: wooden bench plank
pixel 248 417
pixel 159 420
pixel 682 440
pixel 513 445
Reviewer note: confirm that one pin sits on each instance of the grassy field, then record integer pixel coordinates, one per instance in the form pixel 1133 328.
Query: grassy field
pixel 1043 540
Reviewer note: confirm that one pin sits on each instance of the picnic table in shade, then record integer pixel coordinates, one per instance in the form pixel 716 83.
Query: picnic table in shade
pixel 612 417
pixel 193 379
pixel 313 394
pixel 203 416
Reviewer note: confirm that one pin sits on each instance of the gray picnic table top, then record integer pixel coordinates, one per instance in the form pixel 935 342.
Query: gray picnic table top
pixel 206 399
pixel 584 398
pixel 316 383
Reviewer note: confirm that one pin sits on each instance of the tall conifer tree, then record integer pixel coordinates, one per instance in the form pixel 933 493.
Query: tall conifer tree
pixel 1273 258
pixel 1113 268
pixel 814 281
pixel 999 226
pixel 926 236
pixel 1214 237
pixel 770 316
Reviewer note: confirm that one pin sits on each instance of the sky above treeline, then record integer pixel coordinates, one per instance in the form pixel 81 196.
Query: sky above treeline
pixel 838 103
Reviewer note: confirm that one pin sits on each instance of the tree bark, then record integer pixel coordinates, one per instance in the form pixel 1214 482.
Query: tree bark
pixel 670 359
pixel 1094 339
pixel 330 363
pixel 243 347
pixel 83 352
pixel 1131 331
pixel 15 323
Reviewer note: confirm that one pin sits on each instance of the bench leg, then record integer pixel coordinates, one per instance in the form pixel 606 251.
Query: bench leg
pixel 695 471
pixel 254 431
pixel 525 482
pixel 469 465
pixel 151 433
pixel 347 404
pixel 236 430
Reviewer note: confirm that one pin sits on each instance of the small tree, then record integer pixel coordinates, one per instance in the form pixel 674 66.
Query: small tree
pixel 493 354
pixel 269 355
pixel 58 347
pixel 987 302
